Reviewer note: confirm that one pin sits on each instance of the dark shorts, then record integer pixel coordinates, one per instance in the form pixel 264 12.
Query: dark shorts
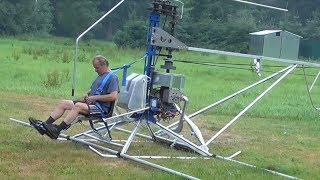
pixel 94 109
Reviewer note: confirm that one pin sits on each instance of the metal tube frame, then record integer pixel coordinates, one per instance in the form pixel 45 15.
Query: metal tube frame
pixel 104 141
pixel 192 125
pixel 99 128
pixel 314 81
pixel 126 114
pixel 261 5
pixel 252 56
pixel 139 159
pixel 199 149
pixel 230 159
pixel 238 93
pixel 77 44
pixel 125 156
pixel 131 137
pixel 250 105
pixel 182 113
pixel 205 109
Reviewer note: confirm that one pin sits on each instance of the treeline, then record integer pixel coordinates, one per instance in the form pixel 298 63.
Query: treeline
pixel 222 24
pixel 65 17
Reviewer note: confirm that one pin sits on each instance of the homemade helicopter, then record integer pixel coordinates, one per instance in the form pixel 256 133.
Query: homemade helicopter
pixel 152 97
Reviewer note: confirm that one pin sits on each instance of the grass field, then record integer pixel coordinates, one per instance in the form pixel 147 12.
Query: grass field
pixel 281 132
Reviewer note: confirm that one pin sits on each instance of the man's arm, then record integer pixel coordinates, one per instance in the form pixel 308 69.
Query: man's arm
pixel 103 98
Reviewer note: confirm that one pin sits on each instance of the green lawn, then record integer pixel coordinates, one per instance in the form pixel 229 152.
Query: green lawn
pixel 281 132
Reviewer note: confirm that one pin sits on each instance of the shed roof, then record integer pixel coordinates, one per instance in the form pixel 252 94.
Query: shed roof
pixel 265 32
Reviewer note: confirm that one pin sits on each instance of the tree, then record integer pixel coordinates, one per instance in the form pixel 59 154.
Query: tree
pixel 133 35
pixel 292 24
pixel 23 17
pixel 41 18
pixel 312 29
pixel 74 17
pixel 128 11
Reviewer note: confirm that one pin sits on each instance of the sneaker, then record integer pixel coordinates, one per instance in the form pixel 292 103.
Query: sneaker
pixel 38 125
pixel 51 130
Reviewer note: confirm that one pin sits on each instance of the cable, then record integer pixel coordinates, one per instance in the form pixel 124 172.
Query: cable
pixel 210 64
pixel 309 94
pixel 130 64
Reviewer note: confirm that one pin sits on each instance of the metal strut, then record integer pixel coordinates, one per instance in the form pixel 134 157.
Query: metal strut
pixel 207 108
pixel 250 105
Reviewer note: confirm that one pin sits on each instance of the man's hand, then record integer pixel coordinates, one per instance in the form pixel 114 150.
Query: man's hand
pixel 85 99
pixel 90 99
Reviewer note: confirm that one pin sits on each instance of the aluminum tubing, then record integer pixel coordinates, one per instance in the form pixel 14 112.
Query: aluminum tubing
pixel 125 156
pixel 250 105
pixel 230 96
pixel 212 51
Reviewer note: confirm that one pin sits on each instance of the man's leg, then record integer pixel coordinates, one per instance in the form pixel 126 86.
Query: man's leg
pixel 59 110
pixel 79 108
pixel 57 113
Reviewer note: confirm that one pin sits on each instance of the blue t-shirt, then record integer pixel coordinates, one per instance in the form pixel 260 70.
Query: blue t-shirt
pixel 112 85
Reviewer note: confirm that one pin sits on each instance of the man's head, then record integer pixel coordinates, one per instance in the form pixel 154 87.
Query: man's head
pixel 100 64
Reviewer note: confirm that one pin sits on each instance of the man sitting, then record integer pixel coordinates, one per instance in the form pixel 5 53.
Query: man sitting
pixel 103 92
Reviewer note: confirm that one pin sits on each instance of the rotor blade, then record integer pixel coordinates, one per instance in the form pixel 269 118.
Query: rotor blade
pixel 261 5
pixel 253 56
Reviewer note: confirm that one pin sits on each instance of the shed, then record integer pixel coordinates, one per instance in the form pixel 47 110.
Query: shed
pixel 275 43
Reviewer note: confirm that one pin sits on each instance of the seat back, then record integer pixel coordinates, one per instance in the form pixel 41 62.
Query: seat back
pixel 133 95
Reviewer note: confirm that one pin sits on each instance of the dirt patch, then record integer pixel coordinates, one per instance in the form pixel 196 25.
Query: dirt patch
pixel 28 169
pixel 31 101
pixel 24 105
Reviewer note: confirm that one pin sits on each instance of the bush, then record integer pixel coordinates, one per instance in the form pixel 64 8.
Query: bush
pixel 52 79
pixel 82 56
pixel 66 57
pixel 16 55
pixel 27 50
pixel 133 35
pixel 56 78
pixel 35 52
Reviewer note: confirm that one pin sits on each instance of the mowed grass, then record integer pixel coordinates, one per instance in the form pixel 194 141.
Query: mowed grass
pixel 281 132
